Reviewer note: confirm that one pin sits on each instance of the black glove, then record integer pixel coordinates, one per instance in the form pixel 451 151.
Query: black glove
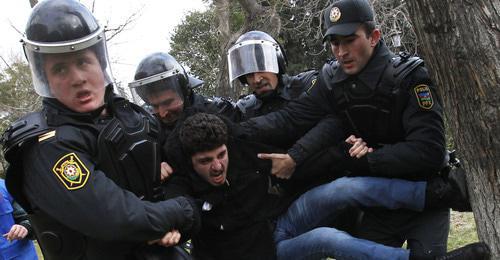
pixel 352 165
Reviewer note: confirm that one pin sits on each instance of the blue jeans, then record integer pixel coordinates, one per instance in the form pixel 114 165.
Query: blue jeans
pixel 299 233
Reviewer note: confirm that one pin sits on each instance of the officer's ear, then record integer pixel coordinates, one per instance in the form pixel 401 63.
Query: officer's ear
pixel 375 37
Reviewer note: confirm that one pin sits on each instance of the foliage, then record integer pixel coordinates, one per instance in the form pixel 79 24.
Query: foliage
pixel 17 96
pixel 301 35
pixel 393 19
pixel 194 44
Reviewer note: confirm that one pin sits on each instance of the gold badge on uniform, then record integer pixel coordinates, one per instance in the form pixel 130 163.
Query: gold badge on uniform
pixel 335 14
pixel 313 83
pixel 424 96
pixel 71 171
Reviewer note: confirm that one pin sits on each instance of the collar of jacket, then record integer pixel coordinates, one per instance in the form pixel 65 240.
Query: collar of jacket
pixel 282 89
pixel 271 95
pixel 59 114
pixel 373 71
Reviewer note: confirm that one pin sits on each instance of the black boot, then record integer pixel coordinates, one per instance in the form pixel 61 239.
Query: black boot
pixel 476 251
pixel 449 191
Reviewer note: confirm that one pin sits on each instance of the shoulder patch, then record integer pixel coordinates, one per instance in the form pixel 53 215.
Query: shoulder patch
pixel 71 171
pixel 424 96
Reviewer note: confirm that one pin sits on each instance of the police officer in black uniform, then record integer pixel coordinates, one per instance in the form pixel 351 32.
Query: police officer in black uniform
pixel 387 100
pixel 85 166
pixel 258 61
pixel 164 85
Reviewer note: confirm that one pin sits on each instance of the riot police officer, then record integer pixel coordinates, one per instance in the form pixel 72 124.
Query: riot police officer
pixel 165 86
pixel 387 100
pixel 84 167
pixel 258 61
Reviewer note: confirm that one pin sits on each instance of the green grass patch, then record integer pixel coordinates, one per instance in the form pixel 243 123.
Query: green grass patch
pixel 462 230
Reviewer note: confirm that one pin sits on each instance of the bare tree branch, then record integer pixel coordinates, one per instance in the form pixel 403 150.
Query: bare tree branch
pixel 121 27
pixel 6 64
pixel 17 30
pixel 251 7
pixel 33 3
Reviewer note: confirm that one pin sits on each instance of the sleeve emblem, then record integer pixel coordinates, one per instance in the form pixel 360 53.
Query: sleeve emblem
pixel 71 171
pixel 424 96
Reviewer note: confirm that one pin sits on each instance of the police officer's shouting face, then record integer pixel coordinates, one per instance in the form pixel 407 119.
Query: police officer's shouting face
pixel 76 80
pixel 261 83
pixel 212 165
pixel 354 51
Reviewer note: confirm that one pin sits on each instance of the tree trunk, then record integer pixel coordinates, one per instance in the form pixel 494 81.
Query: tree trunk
pixel 222 14
pixel 460 41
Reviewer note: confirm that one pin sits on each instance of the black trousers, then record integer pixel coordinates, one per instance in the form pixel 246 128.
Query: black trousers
pixel 426 233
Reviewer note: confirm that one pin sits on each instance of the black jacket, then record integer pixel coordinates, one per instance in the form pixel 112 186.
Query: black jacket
pixel 237 222
pixel 93 217
pixel 200 103
pixel 288 89
pixel 415 152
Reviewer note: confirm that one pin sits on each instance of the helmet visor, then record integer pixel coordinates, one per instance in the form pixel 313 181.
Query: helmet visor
pixel 153 87
pixel 36 53
pixel 252 56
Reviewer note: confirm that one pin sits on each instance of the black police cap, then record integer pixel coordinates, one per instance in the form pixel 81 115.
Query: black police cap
pixel 344 17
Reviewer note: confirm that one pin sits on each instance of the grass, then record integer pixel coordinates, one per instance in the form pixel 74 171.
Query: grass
pixel 462 231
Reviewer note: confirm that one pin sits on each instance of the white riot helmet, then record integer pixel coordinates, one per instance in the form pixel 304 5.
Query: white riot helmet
pixel 255 51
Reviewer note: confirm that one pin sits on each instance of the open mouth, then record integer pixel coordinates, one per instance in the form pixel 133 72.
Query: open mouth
pixel 84 96
pixel 262 88
pixel 218 177
pixel 262 84
pixel 348 63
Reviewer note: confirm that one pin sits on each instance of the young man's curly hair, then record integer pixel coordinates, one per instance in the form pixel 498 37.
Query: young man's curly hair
pixel 202 132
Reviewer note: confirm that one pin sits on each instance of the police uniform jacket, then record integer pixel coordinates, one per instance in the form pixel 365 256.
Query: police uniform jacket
pixel 237 218
pixel 288 89
pixel 391 103
pixel 200 103
pixel 59 177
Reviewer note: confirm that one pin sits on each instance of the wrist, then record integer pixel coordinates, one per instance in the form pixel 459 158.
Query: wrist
pixel 296 153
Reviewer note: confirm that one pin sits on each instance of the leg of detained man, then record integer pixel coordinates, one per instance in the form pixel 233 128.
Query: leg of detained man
pixel 326 242
pixel 321 204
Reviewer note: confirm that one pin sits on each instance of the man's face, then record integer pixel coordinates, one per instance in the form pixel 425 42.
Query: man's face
pixel 167 105
pixel 212 165
pixel 76 80
pixel 354 51
pixel 261 83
